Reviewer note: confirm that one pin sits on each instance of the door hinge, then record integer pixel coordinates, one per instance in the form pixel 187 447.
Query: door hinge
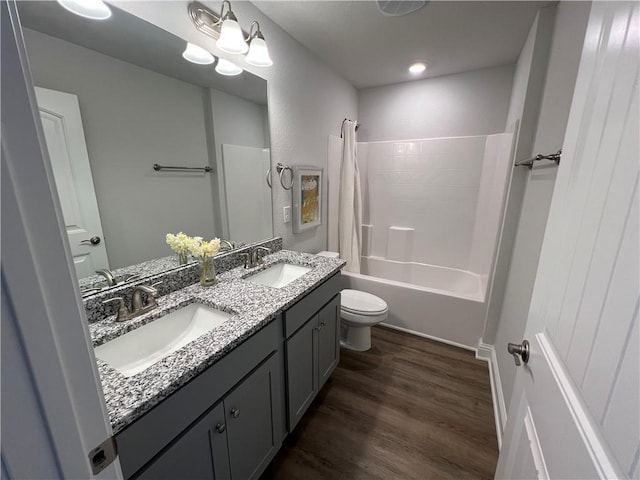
pixel 103 455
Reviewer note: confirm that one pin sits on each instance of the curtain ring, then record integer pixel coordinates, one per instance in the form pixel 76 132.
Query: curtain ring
pixel 268 178
pixel 285 168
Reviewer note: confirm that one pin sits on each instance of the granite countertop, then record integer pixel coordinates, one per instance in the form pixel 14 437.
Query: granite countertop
pixel 252 307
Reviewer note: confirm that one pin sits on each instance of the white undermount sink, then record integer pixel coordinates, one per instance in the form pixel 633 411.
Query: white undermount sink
pixel 137 350
pixel 278 275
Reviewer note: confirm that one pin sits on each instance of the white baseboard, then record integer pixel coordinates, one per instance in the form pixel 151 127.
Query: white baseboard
pixel 487 353
pixel 430 337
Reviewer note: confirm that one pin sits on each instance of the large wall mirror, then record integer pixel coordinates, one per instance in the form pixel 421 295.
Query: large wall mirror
pixel 117 97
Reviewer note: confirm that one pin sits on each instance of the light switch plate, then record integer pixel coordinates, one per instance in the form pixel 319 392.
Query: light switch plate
pixel 286 213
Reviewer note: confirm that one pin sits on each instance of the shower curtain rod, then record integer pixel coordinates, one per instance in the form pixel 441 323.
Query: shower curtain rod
pixel 342 127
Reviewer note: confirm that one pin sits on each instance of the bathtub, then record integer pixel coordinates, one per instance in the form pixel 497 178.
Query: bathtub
pixel 442 303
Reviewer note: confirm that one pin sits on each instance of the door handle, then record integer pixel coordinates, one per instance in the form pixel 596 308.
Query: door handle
pixel 235 413
pixel 95 240
pixel 521 349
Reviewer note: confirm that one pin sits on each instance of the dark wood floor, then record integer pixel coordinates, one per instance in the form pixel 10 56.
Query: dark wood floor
pixel 409 408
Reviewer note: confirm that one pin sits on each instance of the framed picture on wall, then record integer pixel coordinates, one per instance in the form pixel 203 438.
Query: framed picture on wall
pixel 307 198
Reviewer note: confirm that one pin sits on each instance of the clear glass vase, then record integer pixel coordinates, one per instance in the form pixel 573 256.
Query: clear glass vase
pixel 208 274
pixel 183 258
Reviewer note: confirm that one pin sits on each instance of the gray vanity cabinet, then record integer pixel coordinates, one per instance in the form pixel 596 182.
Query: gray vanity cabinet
pixel 252 419
pixel 328 340
pixel 312 353
pixel 302 371
pixel 236 439
pixel 192 455
pixel 225 423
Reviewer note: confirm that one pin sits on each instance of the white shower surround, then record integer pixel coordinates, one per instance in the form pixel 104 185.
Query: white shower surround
pixel 433 210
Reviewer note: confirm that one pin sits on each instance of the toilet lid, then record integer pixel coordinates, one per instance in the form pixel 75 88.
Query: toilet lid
pixel 362 302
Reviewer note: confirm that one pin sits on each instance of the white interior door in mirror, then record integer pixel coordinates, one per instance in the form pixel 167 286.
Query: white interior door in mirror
pixel 62 125
pixel 248 197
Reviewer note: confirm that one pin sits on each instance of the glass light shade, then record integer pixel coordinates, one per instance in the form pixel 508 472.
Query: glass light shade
pixel 231 38
pixel 258 55
pixel 195 54
pixel 225 67
pixel 93 9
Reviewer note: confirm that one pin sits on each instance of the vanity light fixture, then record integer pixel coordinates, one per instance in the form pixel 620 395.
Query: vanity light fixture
pixel 417 68
pixel 195 54
pixel 93 9
pixel 225 67
pixel 258 54
pixel 230 38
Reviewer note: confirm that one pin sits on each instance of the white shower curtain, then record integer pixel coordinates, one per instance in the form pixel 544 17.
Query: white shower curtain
pixel 350 214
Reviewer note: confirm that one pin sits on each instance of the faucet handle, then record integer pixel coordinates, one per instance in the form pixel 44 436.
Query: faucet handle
pixel 149 301
pixel 123 312
pixel 258 259
pixel 247 259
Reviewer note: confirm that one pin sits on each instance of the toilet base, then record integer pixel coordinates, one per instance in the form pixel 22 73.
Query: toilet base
pixel 355 337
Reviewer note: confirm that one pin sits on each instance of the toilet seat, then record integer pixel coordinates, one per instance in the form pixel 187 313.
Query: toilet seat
pixel 362 303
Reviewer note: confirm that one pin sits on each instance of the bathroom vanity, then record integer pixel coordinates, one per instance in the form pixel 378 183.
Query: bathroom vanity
pixel 220 406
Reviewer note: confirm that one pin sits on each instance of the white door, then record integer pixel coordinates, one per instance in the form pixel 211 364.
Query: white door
pixel 62 123
pixel 575 411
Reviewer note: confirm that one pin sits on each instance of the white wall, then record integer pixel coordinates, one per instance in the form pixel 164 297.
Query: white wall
pixel 567 40
pixel 464 104
pixel 133 118
pixel 430 186
pixel 307 100
pixel 524 107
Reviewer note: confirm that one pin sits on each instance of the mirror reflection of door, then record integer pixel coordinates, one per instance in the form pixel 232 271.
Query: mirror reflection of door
pixel 247 194
pixel 64 134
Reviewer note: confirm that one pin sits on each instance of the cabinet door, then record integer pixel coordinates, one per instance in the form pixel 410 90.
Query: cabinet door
pixel 199 453
pixel 252 411
pixel 328 339
pixel 302 371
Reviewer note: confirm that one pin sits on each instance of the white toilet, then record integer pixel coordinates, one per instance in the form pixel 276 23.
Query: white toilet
pixel 359 311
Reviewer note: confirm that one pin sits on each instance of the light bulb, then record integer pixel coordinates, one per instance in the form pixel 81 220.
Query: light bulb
pixel 231 38
pixel 225 67
pixel 417 68
pixel 258 53
pixel 195 54
pixel 93 9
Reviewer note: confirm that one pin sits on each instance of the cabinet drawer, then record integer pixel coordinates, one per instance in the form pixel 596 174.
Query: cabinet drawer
pixel 298 314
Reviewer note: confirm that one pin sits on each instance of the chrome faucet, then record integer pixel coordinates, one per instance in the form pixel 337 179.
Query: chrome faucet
pixel 227 243
pixel 253 259
pixel 142 301
pixel 106 273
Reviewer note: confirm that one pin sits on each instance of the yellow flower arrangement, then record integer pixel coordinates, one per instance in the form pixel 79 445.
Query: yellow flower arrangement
pixel 201 248
pixel 179 243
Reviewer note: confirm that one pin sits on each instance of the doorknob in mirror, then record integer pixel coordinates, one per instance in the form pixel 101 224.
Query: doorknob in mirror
pixel 95 240
pixel 521 349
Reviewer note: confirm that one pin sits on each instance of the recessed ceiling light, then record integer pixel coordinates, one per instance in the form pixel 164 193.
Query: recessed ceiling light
pixel 417 68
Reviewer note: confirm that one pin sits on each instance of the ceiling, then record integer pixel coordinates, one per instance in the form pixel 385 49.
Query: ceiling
pixel 369 49
pixel 131 39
